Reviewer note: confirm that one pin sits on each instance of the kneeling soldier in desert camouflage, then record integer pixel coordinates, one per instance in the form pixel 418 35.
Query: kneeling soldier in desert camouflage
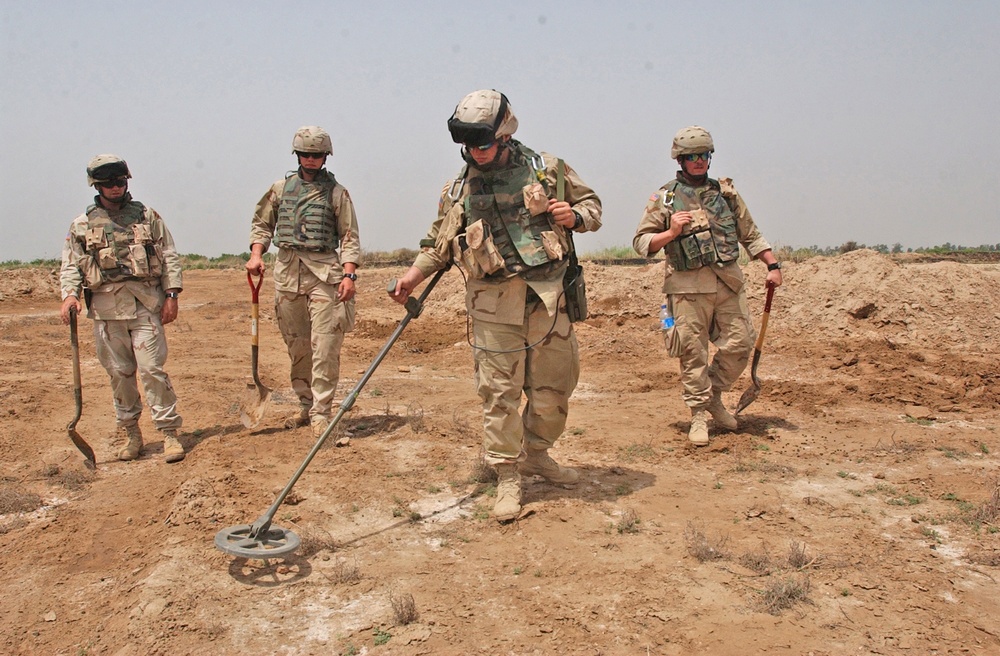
pixel 122 254
pixel 502 222
pixel 701 222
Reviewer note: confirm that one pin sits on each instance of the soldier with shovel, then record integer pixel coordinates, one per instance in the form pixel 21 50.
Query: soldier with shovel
pixel 122 254
pixel 310 217
pixel 701 223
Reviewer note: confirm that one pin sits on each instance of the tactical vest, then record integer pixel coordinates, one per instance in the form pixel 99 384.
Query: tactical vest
pixel 120 249
pixel 497 197
pixel 307 219
pixel 719 243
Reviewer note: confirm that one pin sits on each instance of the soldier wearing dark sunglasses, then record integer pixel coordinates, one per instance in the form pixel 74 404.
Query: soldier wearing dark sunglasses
pixel 123 257
pixel 701 223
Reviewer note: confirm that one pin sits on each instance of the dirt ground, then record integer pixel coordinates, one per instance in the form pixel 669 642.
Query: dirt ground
pixel 854 511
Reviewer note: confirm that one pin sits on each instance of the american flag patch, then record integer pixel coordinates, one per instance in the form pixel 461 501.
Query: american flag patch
pixel 654 198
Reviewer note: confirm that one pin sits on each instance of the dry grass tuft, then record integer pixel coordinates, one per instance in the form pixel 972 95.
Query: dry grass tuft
pixel 797 557
pixel 314 542
pixel 989 510
pixel 13 525
pixel 758 560
pixel 15 501
pixel 628 522
pixel 345 572
pixel 483 472
pixel 71 479
pixel 702 547
pixel 783 593
pixel 404 609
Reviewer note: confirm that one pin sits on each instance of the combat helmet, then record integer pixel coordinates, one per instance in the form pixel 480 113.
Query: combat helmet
pixel 312 139
pixel 692 140
pixel 482 117
pixel 106 167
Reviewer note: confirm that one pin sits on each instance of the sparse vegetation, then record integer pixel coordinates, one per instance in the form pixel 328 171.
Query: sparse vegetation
pixel 701 546
pixel 628 522
pixel 16 501
pixel 784 592
pixel 404 608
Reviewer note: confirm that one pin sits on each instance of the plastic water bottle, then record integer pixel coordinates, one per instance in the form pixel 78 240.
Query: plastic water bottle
pixel 666 319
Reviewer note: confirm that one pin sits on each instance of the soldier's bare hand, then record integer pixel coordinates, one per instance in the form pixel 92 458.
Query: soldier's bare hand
pixel 69 302
pixel 346 290
pixel 562 213
pixel 169 310
pixel 255 265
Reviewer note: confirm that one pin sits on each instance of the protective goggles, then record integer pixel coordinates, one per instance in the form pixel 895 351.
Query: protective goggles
pixel 310 155
pixel 111 184
pixel 694 157
pixel 110 171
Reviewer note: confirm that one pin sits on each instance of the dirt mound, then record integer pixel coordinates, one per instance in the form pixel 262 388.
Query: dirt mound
pixel 33 282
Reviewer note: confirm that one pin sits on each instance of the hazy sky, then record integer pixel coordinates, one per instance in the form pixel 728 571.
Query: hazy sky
pixel 868 121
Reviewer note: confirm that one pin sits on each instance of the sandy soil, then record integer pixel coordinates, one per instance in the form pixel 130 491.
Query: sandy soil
pixel 853 512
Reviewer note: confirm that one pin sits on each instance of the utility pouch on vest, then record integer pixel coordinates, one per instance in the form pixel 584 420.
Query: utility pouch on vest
pixel 535 199
pixel 476 251
pixel 574 286
pixel 137 260
pixel 107 258
pixel 95 239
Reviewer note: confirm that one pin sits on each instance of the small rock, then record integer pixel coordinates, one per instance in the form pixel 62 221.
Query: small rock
pixel 49 616
pixel 918 412
pixel 344 441
pixel 403 370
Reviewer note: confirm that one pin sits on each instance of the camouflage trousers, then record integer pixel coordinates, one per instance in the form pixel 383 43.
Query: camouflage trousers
pixel 127 346
pixel 312 323
pixel 545 374
pixel 723 319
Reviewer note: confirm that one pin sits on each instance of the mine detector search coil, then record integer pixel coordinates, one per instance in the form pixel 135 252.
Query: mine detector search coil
pixel 262 540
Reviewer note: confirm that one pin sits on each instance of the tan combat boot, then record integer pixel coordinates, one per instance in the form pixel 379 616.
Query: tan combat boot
pixel 173 450
pixel 508 505
pixel 717 409
pixel 319 425
pixel 134 446
pixel 300 418
pixel 699 427
pixel 538 462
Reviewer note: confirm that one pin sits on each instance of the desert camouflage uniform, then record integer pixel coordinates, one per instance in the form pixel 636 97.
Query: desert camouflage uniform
pixel 511 311
pixel 125 305
pixel 708 298
pixel 311 318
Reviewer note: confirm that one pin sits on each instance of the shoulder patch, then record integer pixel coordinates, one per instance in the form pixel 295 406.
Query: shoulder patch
pixel 654 198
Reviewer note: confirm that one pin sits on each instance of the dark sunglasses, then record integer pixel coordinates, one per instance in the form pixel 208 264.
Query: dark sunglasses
pixel 695 157
pixel 311 155
pixel 111 184
pixel 483 147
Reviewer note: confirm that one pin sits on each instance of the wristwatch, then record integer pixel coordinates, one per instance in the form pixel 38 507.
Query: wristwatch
pixel 172 294
pixel 578 221
pixel 774 266
pixel 352 276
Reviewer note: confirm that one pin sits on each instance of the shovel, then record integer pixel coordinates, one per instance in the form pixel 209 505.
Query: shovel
pixel 753 391
pixel 262 540
pixel 254 405
pixel 78 440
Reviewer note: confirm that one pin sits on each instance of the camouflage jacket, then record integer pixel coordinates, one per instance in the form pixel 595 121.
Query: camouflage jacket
pixel 115 299
pixel 328 266
pixel 702 280
pixel 503 300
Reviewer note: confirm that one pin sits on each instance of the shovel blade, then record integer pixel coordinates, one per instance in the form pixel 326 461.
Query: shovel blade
pixel 254 405
pixel 748 397
pixel 81 444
